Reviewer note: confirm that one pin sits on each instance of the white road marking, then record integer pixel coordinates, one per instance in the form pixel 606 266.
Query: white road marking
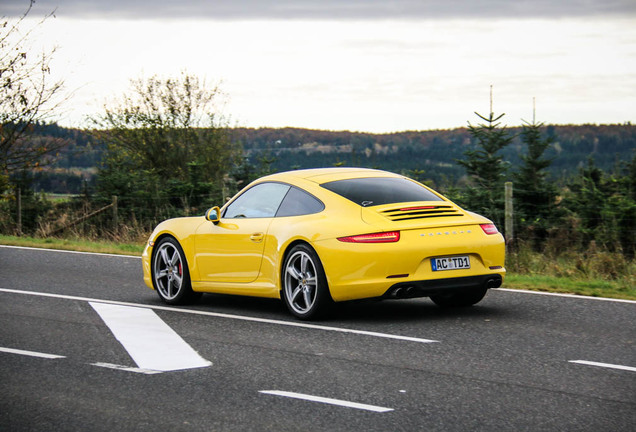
pixel 575 296
pixel 126 368
pixel 151 343
pixel 227 316
pixel 70 251
pixel 31 353
pixel 604 365
pixel 496 289
pixel 329 401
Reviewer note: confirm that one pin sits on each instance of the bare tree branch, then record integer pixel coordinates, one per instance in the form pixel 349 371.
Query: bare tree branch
pixel 27 95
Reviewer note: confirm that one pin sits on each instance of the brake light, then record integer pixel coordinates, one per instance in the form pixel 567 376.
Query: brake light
pixel 489 229
pixel 381 237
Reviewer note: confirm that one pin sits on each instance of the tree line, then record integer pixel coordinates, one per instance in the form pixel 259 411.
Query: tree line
pixel 425 155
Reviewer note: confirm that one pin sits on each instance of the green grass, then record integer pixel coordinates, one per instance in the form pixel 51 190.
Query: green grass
pixel 587 287
pixel 74 245
pixel 621 288
pixel 57 198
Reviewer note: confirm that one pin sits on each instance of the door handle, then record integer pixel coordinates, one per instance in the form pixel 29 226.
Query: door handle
pixel 257 237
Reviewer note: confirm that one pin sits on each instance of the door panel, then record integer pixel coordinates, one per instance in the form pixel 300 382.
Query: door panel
pixel 232 250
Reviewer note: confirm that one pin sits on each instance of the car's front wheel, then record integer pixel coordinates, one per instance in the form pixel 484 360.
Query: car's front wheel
pixel 170 273
pixel 305 289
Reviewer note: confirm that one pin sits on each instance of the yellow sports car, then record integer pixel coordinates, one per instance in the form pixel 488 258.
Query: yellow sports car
pixel 313 237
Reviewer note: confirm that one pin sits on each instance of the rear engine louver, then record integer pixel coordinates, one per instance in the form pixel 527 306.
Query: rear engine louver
pixel 422 212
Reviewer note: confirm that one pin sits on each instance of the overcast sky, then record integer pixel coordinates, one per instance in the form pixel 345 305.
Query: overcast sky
pixel 377 66
pixel 325 9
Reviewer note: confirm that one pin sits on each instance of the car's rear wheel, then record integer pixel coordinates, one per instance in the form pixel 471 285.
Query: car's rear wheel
pixel 460 298
pixel 170 273
pixel 305 289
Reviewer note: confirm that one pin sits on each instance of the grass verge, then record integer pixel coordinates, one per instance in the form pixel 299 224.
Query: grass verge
pixel 565 285
pixel 619 289
pixel 74 245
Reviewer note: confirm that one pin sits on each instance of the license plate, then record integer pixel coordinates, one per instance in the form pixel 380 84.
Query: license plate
pixel 451 263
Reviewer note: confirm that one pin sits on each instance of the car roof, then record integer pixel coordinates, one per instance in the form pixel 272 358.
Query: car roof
pixel 325 175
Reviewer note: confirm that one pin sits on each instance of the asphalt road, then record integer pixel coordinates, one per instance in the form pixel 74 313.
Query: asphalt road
pixel 505 364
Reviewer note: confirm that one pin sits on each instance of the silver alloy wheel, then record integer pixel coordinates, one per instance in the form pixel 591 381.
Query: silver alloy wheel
pixel 168 271
pixel 301 282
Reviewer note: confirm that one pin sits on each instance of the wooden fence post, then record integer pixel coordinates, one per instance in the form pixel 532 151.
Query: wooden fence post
pixel 115 212
pixel 509 234
pixel 18 199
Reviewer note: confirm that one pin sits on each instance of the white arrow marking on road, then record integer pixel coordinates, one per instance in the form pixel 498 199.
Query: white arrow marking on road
pixel 224 315
pixel 325 400
pixel 151 343
pixel 126 368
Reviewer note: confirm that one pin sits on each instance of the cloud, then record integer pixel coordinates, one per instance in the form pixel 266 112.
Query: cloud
pixel 322 9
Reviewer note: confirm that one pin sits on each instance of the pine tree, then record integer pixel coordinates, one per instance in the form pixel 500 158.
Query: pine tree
pixel 535 196
pixel 486 168
pixel 603 206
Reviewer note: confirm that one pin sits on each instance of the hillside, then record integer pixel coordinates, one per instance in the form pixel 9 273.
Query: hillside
pixel 433 152
pixel 426 155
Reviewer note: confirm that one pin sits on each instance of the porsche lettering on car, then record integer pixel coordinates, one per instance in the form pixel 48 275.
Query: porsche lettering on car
pixel 318 236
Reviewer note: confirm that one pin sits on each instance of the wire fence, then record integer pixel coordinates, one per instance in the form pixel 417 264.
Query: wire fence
pixel 606 224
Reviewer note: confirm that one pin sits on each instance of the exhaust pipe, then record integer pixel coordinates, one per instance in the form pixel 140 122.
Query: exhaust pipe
pixel 398 293
pixel 493 283
pixel 404 292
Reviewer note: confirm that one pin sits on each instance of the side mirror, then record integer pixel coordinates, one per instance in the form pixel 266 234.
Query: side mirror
pixel 213 215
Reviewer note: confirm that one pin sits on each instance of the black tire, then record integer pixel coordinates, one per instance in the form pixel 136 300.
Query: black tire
pixel 460 298
pixel 304 285
pixel 170 273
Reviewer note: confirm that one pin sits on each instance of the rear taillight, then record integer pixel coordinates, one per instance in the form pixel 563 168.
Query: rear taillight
pixel 381 237
pixel 489 229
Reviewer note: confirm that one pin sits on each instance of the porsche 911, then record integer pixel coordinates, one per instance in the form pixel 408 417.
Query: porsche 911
pixel 318 236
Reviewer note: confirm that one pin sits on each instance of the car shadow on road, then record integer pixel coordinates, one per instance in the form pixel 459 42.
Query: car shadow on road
pixel 243 305
pixel 360 311
pixel 421 309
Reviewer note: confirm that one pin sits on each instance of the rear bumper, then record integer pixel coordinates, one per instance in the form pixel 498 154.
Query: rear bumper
pixel 426 288
pixel 357 271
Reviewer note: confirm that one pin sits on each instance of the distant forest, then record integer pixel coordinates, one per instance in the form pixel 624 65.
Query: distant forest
pixel 425 155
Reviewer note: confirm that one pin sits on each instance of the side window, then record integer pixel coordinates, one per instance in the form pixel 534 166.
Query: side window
pixel 298 202
pixel 260 201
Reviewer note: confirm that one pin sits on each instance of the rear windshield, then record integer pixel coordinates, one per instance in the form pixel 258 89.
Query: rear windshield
pixel 378 191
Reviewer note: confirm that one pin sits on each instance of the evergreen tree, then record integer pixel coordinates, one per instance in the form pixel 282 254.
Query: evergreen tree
pixel 534 195
pixel 486 168
pixel 603 208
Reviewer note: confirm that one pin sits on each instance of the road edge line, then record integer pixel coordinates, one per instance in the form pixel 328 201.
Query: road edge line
pixel 227 316
pixel 565 295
